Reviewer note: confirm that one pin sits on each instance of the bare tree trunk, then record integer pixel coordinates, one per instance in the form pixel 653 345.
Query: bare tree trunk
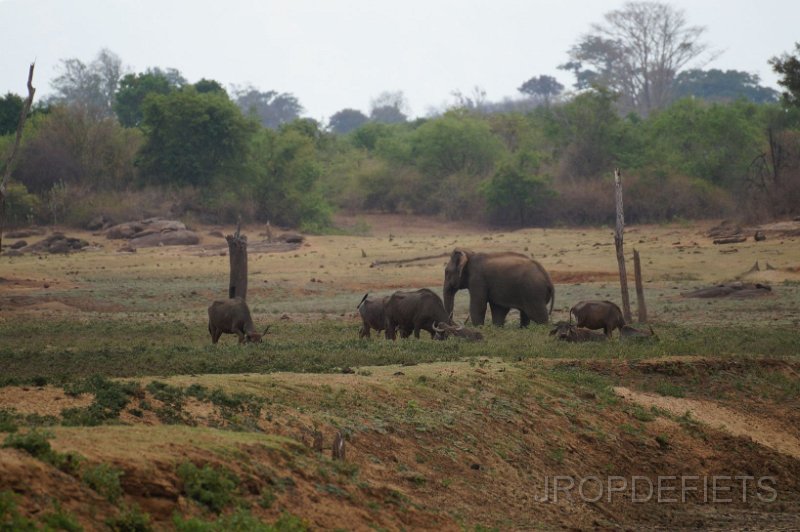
pixel 237 251
pixel 623 275
pixel 641 308
pixel 7 172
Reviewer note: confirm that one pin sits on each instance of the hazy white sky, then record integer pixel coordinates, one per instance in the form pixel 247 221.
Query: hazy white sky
pixel 335 54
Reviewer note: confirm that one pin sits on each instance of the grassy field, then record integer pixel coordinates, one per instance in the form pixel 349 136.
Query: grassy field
pixel 102 347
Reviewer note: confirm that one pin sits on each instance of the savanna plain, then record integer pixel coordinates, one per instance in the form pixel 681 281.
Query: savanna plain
pixel 117 412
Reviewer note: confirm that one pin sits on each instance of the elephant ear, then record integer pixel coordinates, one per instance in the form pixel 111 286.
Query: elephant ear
pixel 462 262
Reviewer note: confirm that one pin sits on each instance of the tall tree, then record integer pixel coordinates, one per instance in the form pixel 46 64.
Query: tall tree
pixel 192 137
pixel 91 87
pixel 788 66
pixel 271 108
pixel 134 88
pixel 542 87
pixel 347 120
pixel 719 86
pixel 389 108
pixel 637 52
pixel 10 108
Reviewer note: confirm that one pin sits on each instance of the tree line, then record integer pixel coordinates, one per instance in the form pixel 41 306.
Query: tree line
pixel 693 143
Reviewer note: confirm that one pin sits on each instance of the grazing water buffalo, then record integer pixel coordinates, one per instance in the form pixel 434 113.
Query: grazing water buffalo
pixel 372 314
pixel 232 316
pixel 569 332
pixel 414 311
pixel 598 315
pixel 444 330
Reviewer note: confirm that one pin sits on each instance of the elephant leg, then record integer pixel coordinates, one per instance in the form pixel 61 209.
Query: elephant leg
pixel 477 309
pixel 535 312
pixel 498 314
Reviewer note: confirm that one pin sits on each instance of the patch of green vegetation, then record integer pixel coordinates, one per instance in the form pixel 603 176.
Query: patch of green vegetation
pixel 9 420
pixel 104 479
pixel 59 519
pixel 327 345
pixel 212 487
pixel 37 444
pixel 130 519
pixel 173 399
pixel 669 389
pixel 110 398
pixel 10 518
pixel 240 521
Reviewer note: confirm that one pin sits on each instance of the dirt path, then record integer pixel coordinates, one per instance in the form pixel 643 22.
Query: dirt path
pixel 765 432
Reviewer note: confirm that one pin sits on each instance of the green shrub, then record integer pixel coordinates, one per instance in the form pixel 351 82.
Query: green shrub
pixel 240 521
pixel 104 479
pixel 34 443
pixel 21 206
pixel 10 518
pixel 211 487
pixel 58 519
pixel 9 420
pixel 130 519
pixel 110 398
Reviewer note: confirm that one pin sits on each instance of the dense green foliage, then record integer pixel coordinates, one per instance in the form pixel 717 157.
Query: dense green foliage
pixel 788 66
pixel 726 147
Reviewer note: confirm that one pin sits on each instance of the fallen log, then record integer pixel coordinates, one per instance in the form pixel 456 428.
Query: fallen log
pixel 404 261
pixel 731 240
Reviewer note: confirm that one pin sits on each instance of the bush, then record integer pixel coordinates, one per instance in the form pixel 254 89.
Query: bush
pixel 10 518
pixel 130 519
pixel 240 521
pixel 21 206
pixel 104 479
pixel 213 488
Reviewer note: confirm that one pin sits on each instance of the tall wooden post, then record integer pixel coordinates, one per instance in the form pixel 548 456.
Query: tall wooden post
pixel 237 251
pixel 641 308
pixel 23 115
pixel 623 274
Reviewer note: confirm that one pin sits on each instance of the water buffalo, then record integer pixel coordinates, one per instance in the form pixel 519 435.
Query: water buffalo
pixel 598 315
pixel 569 332
pixel 232 316
pixel 372 314
pixel 414 311
pixel 444 330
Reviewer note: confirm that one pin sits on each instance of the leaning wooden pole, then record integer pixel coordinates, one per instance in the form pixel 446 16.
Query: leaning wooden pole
pixel 237 251
pixel 623 275
pixel 641 308
pixel 23 115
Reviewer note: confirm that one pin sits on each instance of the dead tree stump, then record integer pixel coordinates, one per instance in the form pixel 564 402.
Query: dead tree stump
pixel 641 308
pixel 337 452
pixel 623 274
pixel 237 251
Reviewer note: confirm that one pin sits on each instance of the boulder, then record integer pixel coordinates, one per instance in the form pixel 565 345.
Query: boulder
pixel 166 238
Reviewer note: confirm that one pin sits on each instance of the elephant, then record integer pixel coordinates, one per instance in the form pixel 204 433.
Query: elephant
pixel 504 280
pixel 598 315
